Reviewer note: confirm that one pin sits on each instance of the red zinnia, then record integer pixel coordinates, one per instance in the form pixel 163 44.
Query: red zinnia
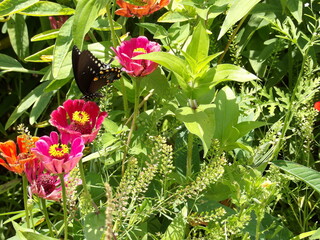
pixel 78 118
pixel 130 10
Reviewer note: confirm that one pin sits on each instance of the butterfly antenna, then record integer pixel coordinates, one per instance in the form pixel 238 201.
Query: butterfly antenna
pixel 110 61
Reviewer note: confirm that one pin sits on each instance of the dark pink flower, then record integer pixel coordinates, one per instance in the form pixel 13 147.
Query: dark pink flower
pixel 58 155
pixel 57 21
pixel 317 106
pixel 78 118
pixel 134 47
pixel 42 184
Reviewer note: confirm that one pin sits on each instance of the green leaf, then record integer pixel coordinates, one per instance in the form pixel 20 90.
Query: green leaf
pixel 39 106
pixel 168 60
pixel 26 102
pixel 176 229
pixel 244 128
pixel 45 55
pixel 158 31
pixel 8 185
pixel 61 49
pixel 56 84
pixel 296 9
pixel 102 24
pixel 94 224
pixel 308 175
pixel 18 34
pixel 23 233
pixel 229 72
pixel 199 45
pixel 10 64
pixel 50 34
pixel 87 11
pixel 226 114
pixel 8 7
pixel 173 17
pixel 200 122
pixel 238 10
pixel 46 8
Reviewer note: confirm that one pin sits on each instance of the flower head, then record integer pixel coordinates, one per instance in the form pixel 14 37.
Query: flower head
pixel 130 10
pixel 134 47
pixel 13 161
pixel 42 184
pixel 78 118
pixel 58 155
pixel 317 106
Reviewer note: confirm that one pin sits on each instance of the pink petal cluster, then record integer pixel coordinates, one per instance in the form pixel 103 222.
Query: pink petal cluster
pixel 78 118
pixel 134 47
pixel 56 155
pixel 42 184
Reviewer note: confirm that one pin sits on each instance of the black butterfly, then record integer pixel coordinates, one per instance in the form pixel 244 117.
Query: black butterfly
pixel 91 74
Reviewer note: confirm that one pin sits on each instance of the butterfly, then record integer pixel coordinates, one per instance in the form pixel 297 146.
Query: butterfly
pixel 91 74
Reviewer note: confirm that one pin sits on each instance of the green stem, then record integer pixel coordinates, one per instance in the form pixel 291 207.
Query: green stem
pixel 136 83
pixel 46 215
pixel 189 155
pixel 64 199
pixel 141 29
pixel 25 198
pixel 84 184
pixel 124 98
pixel 113 32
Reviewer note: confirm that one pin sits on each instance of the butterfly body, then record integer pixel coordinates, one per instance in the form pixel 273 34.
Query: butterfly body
pixel 91 74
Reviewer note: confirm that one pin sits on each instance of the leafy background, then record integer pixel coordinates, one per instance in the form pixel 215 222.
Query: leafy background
pixel 243 165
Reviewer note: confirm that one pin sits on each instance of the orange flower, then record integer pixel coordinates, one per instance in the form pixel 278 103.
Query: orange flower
pixel 130 10
pixel 8 151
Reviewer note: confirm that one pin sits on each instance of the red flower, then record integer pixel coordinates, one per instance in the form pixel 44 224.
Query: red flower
pixel 8 151
pixel 78 118
pixel 130 10
pixel 317 106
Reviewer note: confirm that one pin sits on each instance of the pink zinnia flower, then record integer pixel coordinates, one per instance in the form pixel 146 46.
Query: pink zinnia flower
pixel 58 155
pixel 78 118
pixel 134 47
pixel 130 10
pixel 42 184
pixel 317 106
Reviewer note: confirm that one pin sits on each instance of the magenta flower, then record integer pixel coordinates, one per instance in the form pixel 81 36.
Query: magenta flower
pixel 42 184
pixel 58 155
pixel 78 118
pixel 134 47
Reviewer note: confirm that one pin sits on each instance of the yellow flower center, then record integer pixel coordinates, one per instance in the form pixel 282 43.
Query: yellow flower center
pixel 80 117
pixel 58 150
pixel 140 50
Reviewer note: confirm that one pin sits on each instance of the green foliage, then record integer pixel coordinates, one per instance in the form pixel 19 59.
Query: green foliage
pixel 225 143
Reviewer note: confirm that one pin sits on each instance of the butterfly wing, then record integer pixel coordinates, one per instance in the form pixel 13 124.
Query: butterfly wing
pixel 90 73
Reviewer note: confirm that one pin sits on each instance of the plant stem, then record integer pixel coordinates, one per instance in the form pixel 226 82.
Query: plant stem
pixel 113 33
pixel 84 185
pixel 189 155
pixel 124 98
pixel 136 83
pixel 64 199
pixel 44 209
pixel 25 198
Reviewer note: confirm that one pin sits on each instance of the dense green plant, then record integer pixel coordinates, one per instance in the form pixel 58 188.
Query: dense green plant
pixel 219 142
